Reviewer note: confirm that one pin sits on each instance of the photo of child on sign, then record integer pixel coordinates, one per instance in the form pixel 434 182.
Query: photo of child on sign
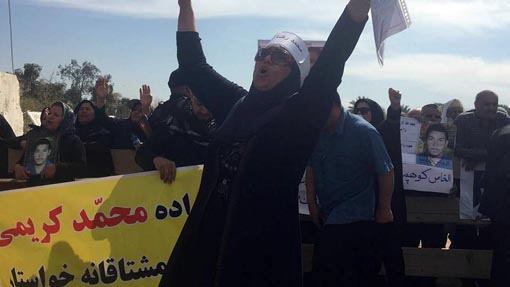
pixel 41 153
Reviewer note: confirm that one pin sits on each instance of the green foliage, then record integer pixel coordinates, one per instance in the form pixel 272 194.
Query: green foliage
pixel 351 103
pixel 405 109
pixel 37 93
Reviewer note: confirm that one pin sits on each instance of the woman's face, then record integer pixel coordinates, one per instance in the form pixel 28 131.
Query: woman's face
pixel 44 116
pixel 272 66
pixel 136 114
pixel 54 118
pixel 454 111
pixel 363 109
pixel 86 113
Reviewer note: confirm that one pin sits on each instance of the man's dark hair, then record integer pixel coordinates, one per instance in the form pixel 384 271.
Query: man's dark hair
pixel 42 141
pixel 436 128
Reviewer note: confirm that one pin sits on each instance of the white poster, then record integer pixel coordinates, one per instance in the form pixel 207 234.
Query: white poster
pixel 471 191
pixel 303 205
pixel 427 156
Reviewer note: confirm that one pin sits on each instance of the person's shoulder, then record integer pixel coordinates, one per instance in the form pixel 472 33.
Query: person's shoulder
pixel 466 115
pixel 464 118
pixel 500 115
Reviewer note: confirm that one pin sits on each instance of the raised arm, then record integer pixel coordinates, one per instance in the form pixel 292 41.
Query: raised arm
pixel 216 92
pixel 327 72
pixel 313 103
pixel 186 22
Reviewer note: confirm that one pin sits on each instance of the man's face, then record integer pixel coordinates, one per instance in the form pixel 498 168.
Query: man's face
pixel 430 115
pixel 41 153
pixel 486 106
pixel 436 143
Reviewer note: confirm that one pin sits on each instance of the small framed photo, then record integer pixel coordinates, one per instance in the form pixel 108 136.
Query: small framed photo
pixel 41 152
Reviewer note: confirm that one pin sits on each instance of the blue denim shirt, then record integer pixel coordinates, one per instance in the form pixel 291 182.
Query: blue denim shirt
pixel 346 164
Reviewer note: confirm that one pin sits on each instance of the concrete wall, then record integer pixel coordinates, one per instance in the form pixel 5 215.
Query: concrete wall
pixel 9 102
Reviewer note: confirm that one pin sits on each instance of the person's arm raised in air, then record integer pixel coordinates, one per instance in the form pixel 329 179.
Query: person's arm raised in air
pixel 314 100
pixel 216 92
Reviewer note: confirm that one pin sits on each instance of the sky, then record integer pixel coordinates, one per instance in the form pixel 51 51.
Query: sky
pixel 453 49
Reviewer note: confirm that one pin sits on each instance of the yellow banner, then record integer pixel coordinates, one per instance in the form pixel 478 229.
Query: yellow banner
pixel 116 231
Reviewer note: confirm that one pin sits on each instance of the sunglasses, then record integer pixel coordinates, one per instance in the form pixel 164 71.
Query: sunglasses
pixel 278 56
pixel 361 111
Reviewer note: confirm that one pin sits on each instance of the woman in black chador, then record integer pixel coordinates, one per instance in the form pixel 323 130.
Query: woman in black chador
pixel 244 226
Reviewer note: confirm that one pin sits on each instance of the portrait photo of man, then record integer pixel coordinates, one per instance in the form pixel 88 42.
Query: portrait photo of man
pixel 435 148
pixel 40 156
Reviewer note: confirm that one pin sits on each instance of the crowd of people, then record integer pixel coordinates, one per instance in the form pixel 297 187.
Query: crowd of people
pixel 255 146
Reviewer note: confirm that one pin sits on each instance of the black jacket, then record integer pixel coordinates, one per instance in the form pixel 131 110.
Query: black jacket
pixel 177 135
pixel 250 236
pixel 390 132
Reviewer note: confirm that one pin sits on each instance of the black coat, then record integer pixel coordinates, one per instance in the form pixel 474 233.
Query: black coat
pixel 251 237
pixel 177 135
pixel 390 132
pixel 97 140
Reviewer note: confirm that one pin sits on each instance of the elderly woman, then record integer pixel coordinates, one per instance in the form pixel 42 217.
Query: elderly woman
pixel 69 160
pixel 244 226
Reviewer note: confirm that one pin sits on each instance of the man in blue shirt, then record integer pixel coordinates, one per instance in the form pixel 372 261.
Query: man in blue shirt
pixel 347 172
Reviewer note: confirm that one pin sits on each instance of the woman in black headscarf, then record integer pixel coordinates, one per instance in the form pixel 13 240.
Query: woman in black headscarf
pixel 69 161
pixel 370 111
pixel 244 226
pixel 90 127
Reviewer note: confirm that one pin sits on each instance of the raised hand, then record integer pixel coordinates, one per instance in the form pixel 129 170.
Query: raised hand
pixel 186 21
pixel 395 98
pixel 145 96
pixel 101 89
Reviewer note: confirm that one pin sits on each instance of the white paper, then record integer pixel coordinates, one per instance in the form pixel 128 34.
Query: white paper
pixel 471 190
pixel 389 17
pixel 417 174
pixel 303 205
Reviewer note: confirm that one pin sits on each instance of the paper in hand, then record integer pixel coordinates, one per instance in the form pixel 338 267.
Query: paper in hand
pixel 389 17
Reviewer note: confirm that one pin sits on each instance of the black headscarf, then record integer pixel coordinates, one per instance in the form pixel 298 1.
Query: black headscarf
pixel 375 109
pixel 68 119
pixel 92 129
pixel 258 108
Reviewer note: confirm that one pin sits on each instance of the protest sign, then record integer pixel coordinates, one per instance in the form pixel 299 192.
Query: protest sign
pixel 427 158
pixel 118 231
